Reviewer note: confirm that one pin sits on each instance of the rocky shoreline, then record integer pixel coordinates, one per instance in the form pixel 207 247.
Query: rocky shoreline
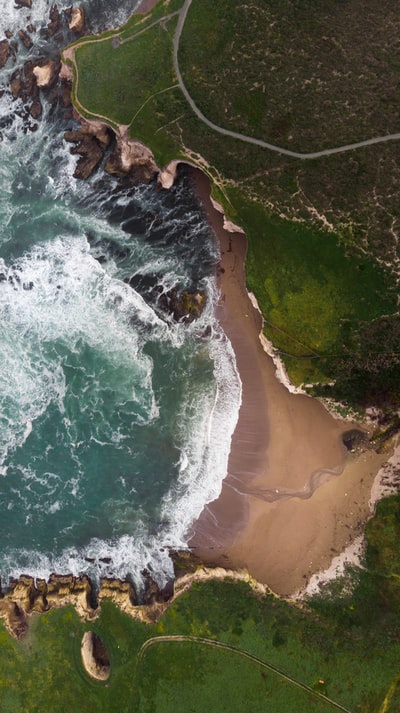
pixel 26 596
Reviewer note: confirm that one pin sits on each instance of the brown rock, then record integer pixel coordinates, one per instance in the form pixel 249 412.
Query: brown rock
pixel 25 39
pixel 153 593
pixel 91 155
pixel 54 25
pixel 65 94
pixel 22 592
pixel 30 84
pixel 91 141
pixel 23 3
pixel 14 618
pixel 95 656
pixel 117 590
pixel 46 73
pixel 5 51
pixel 16 84
pixel 133 159
pixel 183 305
pixel 31 28
pixel 35 109
pixel 67 590
pixel 77 23
pixel 8 34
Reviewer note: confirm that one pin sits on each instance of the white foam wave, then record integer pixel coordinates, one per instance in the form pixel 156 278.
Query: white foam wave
pixel 206 433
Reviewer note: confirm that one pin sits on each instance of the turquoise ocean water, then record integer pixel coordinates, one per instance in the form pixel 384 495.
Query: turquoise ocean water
pixel 115 421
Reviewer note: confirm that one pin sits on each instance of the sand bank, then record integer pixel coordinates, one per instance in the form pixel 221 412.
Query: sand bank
pixel 293 498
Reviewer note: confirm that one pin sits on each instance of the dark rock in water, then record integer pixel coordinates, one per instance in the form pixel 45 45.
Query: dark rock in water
pixel 31 28
pixel 8 34
pixel 65 94
pixel 356 440
pixel 5 51
pixel 35 109
pixel 16 84
pixel 91 155
pixel 23 3
pixel 30 85
pixel 55 21
pixel 106 560
pixel 184 305
pixel 4 122
pixel 153 593
pixel 25 39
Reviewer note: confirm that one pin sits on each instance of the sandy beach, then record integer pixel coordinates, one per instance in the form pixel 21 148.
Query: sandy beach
pixel 293 497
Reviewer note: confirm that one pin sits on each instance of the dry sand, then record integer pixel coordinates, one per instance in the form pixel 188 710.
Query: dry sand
pixel 293 497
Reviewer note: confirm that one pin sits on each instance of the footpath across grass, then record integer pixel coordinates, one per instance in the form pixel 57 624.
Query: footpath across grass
pixel 325 277
pixel 343 644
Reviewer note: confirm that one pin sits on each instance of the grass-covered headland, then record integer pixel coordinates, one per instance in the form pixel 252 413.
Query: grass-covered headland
pixel 323 255
pixel 221 648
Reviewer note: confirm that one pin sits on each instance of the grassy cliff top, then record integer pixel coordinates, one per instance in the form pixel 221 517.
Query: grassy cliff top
pixel 323 233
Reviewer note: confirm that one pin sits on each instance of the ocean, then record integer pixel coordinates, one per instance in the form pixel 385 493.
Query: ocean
pixel 115 419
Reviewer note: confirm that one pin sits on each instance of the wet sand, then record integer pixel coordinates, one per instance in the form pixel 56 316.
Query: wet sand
pixel 293 497
pixel 145 6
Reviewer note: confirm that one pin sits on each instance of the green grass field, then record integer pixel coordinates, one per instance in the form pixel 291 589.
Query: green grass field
pixel 343 645
pixel 327 295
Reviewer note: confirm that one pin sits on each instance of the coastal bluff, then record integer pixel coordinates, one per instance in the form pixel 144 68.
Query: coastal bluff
pixel 26 596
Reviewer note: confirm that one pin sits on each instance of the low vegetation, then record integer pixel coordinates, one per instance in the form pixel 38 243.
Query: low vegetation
pixel 342 645
pixel 324 271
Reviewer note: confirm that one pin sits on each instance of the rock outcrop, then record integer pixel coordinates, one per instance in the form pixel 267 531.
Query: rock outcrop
pixel 91 141
pixel 67 590
pixel 25 596
pixel 183 305
pixel 25 39
pixel 95 656
pixel 131 159
pixel 46 73
pixel 23 3
pixel 77 23
pixel 5 51
pixel 122 593
pixel 54 24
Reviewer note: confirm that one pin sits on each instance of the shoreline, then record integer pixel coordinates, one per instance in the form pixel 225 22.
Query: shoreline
pixel 293 498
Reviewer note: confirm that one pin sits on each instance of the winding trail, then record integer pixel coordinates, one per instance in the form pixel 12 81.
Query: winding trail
pixel 240 652
pixel 69 54
pixel 250 139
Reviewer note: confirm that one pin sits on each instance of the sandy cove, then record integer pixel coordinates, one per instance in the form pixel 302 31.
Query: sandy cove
pixel 293 498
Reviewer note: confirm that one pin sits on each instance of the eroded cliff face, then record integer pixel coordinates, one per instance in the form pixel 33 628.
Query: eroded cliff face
pixel 25 596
